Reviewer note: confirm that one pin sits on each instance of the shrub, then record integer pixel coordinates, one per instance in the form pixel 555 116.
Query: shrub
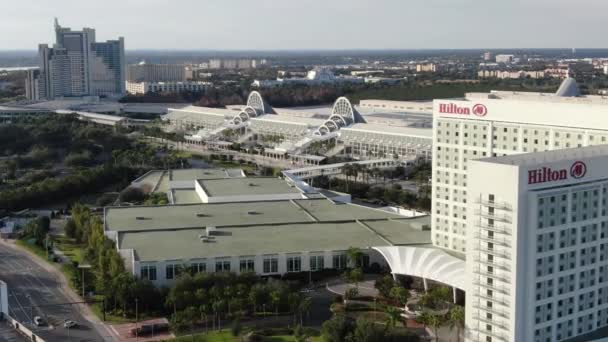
pixel 236 327
pixel 132 194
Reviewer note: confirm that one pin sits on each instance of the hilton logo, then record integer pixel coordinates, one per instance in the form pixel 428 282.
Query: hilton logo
pixel 547 174
pixel 452 108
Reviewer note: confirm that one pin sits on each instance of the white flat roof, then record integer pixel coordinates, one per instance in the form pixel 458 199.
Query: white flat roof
pixel 392 130
pixel 541 158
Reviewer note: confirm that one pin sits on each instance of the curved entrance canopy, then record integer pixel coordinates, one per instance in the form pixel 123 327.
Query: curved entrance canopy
pixel 425 262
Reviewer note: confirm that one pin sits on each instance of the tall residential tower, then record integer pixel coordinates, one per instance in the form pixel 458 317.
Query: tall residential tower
pixel 79 66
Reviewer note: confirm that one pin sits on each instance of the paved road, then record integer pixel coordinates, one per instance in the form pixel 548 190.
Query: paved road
pixel 8 334
pixel 31 288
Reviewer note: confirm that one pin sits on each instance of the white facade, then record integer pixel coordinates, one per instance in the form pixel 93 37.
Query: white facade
pixel 507 59
pixel 144 72
pixel 261 264
pixel 537 246
pixel 497 124
pixel 164 87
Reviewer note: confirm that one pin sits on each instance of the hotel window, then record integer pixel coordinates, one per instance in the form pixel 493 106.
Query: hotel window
pixel 198 267
pixel 271 265
pixel 294 264
pixel 148 273
pixel 339 261
pixel 317 262
pixel 170 271
pixel 222 266
pixel 246 265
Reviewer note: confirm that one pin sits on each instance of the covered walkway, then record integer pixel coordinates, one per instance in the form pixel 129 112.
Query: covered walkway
pixel 426 263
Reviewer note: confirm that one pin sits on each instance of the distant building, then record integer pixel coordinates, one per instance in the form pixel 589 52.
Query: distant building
pixel 78 66
pixel 229 64
pixel 606 69
pixel 145 72
pixel 215 63
pixel 426 67
pixel 506 59
pixel 510 74
pixel 166 87
pixel 244 64
pixel 32 91
pixel 488 56
pixel 317 75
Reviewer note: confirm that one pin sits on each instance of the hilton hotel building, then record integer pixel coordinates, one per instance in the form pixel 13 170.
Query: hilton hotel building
pixel 498 124
pixel 520 191
pixel 537 247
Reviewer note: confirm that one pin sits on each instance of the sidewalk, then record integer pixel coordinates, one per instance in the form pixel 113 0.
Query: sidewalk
pixel 86 311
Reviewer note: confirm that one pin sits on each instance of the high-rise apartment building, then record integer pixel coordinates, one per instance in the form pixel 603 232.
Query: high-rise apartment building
pixel 145 72
pixel 32 81
pixel 79 66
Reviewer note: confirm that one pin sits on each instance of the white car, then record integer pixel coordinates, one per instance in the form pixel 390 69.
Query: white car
pixel 69 324
pixel 38 321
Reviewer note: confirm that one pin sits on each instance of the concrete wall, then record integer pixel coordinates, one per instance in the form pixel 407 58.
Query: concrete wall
pixel 3 299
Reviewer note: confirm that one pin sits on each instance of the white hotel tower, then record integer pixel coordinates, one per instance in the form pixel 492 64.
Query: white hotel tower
pixel 537 260
pixel 532 226
pixel 502 123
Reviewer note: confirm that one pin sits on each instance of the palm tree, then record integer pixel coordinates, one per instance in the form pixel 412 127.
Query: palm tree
pixel 204 310
pixel 400 294
pixel 424 318
pixel 218 308
pixel 304 306
pixel 456 319
pixel 393 315
pixel 294 299
pixel 429 319
pixel 355 255
pixel 275 298
pixel 348 171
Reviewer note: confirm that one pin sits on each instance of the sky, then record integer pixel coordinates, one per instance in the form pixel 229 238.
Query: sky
pixel 312 24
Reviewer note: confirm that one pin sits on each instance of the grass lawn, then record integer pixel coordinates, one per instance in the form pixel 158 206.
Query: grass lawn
pixel 117 319
pixel 70 248
pixel 32 247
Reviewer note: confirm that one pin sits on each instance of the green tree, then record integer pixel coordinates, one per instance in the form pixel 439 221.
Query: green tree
pixel 368 331
pixel 304 307
pixel 355 256
pixel 400 294
pixel 456 319
pixel 384 285
pixel 275 299
pixel 435 322
pixel 393 316
pixel 337 329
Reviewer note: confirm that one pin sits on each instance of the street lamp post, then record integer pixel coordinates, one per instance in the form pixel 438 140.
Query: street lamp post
pixel 83 267
pixel 136 319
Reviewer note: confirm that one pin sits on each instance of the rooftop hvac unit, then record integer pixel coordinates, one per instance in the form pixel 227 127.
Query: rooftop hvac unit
pixel 140 218
pixel 201 215
pixel 211 230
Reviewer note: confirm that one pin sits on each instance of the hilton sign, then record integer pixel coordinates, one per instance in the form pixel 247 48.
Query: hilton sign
pixel 453 108
pixel 547 174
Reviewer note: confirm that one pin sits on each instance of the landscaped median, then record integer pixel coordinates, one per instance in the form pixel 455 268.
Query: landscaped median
pixel 253 335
